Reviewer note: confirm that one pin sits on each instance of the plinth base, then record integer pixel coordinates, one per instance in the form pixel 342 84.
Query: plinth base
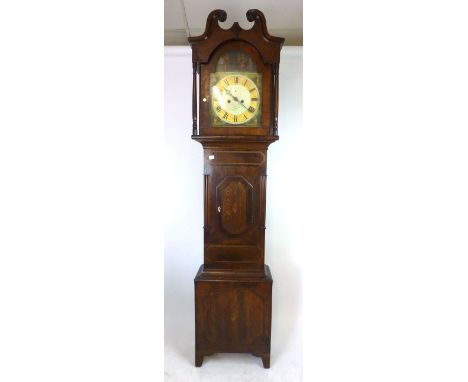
pixel 265 359
pixel 233 313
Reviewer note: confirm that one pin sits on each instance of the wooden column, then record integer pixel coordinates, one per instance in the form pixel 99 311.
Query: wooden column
pixel 276 88
pixel 194 100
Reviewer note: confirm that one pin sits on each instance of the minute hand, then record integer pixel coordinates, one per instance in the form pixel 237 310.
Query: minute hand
pixel 228 92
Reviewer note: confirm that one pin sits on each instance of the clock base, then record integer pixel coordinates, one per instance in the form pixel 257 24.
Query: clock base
pixel 265 359
pixel 233 313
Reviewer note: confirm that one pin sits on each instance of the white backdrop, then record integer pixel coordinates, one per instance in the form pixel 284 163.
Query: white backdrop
pixel 184 234
pixel 385 213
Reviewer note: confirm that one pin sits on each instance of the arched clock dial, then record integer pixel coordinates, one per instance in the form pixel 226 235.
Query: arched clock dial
pixel 235 99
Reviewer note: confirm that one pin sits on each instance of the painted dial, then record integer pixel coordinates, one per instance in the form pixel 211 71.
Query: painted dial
pixel 235 99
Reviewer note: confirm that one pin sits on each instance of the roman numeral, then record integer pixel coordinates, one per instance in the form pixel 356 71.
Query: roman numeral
pixel 252 90
pixel 225 115
pixel 226 82
pixel 236 80
pixel 254 99
pixel 218 108
pixel 245 117
pixel 245 83
pixel 251 109
pixel 235 118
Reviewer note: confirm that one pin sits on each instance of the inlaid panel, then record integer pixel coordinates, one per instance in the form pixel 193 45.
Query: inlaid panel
pixel 234 200
pixel 234 158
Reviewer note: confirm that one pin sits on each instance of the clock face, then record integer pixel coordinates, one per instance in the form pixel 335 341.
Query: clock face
pixel 235 98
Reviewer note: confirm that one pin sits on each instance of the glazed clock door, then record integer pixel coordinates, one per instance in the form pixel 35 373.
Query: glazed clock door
pixel 235 92
pixel 234 208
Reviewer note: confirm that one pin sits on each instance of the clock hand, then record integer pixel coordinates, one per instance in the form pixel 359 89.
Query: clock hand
pixel 228 92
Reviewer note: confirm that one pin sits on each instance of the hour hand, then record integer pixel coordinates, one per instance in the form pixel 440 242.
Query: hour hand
pixel 228 92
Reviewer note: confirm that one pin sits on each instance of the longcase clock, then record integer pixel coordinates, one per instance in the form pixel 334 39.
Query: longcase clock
pixel 235 118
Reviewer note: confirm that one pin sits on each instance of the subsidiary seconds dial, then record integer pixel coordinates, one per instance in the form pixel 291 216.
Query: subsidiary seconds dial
pixel 235 99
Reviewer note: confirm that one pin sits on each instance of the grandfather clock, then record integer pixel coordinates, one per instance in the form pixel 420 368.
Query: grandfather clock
pixel 235 118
